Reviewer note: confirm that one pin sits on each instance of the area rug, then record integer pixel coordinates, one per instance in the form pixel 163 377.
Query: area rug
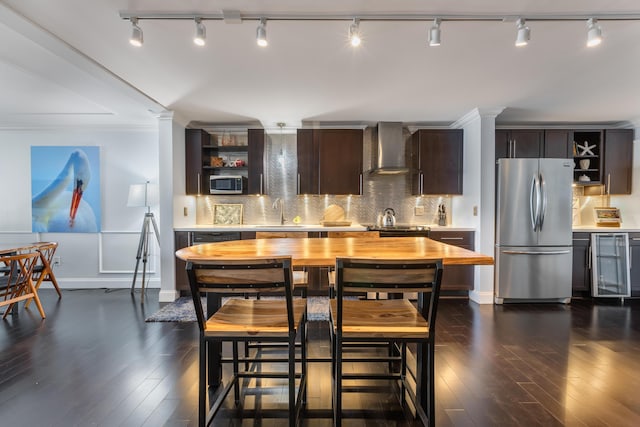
pixel 181 310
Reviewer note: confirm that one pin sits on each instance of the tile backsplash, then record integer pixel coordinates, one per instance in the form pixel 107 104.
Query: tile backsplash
pixel 379 192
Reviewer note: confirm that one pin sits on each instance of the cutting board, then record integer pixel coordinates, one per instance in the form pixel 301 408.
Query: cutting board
pixel 333 213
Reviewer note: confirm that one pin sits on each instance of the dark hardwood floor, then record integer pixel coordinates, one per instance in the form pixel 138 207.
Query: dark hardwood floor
pixel 95 362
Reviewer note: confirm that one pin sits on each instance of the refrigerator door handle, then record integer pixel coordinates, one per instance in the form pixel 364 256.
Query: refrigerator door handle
pixel 537 252
pixel 543 198
pixel 533 203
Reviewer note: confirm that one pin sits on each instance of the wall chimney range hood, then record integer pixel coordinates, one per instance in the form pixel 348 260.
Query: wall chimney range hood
pixel 388 150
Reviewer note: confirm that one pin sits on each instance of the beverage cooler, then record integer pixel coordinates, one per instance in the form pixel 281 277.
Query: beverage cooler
pixel 610 265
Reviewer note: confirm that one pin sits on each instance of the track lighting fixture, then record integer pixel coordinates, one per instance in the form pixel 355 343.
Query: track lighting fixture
pixel 354 33
pixel 434 33
pixel 261 33
pixel 201 33
pixel 522 38
pixel 594 32
pixel 136 38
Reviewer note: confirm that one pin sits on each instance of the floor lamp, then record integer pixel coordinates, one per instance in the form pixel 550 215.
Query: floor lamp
pixel 144 195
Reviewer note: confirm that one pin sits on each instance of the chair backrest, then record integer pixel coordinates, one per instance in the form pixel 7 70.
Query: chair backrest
pixel 47 249
pixel 240 276
pixel 421 276
pixel 373 234
pixel 20 269
pixel 281 234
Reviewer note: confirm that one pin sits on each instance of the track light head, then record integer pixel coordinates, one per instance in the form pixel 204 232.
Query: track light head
pixel 524 34
pixel 354 33
pixel 594 32
pixel 434 33
pixel 261 33
pixel 136 38
pixel 201 33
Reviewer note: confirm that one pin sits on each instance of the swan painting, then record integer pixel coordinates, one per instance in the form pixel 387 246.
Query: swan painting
pixel 66 203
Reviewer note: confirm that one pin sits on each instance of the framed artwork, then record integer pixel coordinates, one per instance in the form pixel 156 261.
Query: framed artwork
pixel 227 214
pixel 65 189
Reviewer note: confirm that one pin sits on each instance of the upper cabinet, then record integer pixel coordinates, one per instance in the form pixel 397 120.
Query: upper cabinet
pixel 558 144
pixel 519 143
pixel 224 153
pixel 330 161
pixel 436 159
pixel 617 171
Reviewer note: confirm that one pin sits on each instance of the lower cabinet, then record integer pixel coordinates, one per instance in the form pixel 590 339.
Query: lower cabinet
pixel 634 263
pixel 581 277
pixel 456 277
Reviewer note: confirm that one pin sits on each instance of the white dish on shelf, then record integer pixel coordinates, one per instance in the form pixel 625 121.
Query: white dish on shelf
pixel 584 178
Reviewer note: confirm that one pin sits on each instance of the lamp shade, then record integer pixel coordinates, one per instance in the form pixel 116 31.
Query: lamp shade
pixel 143 195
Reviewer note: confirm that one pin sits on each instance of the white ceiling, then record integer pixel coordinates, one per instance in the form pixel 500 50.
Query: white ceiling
pixel 68 62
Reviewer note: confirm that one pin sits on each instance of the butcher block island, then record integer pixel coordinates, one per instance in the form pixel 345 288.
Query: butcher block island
pixel 322 252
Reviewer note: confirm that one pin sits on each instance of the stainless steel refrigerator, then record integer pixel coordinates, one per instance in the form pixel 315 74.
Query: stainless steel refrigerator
pixel 533 230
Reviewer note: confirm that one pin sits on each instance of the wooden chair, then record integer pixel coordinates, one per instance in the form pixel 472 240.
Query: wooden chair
pixel 43 270
pixel 16 285
pixel 300 277
pixel 393 320
pixel 345 234
pixel 243 320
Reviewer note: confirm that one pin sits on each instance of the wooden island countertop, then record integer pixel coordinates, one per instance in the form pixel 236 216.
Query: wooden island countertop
pixel 322 252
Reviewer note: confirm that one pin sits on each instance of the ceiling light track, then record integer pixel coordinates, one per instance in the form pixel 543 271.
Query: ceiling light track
pixel 250 16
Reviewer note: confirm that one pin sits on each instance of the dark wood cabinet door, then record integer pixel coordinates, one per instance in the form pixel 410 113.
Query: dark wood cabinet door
pixel 307 179
pixel 181 240
pixel 558 144
pixel 456 277
pixel 519 143
pixel 634 263
pixel 440 161
pixel 526 143
pixel 255 162
pixel 618 160
pixel 339 160
pixel 581 280
pixel 503 144
pixel 195 181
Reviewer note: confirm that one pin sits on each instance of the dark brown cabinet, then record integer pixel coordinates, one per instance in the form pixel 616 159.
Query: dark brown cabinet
pixel 617 167
pixel 581 271
pixel 456 277
pixel 330 161
pixel 519 143
pixel 436 158
pixel 255 162
pixel 195 140
pixel 217 154
pixel 181 240
pixel 558 144
pixel 634 263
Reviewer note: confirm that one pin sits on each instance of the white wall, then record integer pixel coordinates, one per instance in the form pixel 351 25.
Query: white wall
pixel 92 260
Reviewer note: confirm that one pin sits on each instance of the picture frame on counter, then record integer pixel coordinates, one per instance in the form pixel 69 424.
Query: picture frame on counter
pixel 226 214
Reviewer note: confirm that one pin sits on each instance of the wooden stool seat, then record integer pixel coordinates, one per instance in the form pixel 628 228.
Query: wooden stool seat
pixel 246 317
pixel 393 319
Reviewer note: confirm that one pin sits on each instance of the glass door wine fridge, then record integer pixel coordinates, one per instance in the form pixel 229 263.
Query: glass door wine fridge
pixel 610 265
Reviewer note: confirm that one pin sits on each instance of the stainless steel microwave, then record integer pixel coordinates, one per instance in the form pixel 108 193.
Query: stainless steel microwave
pixel 226 184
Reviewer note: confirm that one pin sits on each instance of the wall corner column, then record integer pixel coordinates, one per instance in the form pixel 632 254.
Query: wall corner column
pixel 166 149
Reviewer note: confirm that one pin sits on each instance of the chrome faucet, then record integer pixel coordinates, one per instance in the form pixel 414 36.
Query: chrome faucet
pixel 277 203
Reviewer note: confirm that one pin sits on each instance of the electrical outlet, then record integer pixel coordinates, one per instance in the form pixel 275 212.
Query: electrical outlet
pixel 475 211
pixel 418 210
pixel 185 211
pixel 57 260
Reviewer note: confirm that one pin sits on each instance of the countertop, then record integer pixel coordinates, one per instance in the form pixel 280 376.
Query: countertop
pixel 294 227
pixel 595 229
